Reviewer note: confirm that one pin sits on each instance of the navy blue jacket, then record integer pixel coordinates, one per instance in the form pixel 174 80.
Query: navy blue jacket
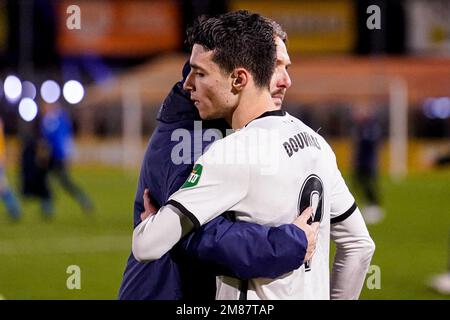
pixel 240 249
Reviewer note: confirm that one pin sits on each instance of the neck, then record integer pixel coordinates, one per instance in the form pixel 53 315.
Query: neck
pixel 251 105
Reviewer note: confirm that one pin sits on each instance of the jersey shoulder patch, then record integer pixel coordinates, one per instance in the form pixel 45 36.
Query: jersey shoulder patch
pixel 194 177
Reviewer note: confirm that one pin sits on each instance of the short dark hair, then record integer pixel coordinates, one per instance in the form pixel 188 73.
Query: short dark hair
pixel 278 30
pixel 239 39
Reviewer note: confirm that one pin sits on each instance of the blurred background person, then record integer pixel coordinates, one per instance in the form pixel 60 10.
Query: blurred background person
pixel 367 136
pixel 57 133
pixel 34 166
pixel 6 194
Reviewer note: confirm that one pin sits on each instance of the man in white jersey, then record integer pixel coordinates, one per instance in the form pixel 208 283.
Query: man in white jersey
pixel 266 172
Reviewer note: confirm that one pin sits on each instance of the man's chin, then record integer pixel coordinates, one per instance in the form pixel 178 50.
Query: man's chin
pixel 210 116
pixel 205 116
pixel 278 102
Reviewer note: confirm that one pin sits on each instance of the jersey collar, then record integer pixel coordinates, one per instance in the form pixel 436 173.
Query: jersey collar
pixel 278 113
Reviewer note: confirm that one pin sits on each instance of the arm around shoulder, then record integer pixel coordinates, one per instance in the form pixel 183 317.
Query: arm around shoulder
pixel 245 250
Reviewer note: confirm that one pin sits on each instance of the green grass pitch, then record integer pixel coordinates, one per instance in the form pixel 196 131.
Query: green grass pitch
pixel 412 242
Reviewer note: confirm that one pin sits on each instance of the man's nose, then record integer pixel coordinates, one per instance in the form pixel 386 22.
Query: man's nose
pixel 286 81
pixel 187 85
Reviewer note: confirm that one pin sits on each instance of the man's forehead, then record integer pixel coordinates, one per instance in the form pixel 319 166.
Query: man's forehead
pixel 282 54
pixel 200 57
pixel 198 49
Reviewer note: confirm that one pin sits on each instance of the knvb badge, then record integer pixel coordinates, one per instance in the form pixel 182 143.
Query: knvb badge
pixel 194 177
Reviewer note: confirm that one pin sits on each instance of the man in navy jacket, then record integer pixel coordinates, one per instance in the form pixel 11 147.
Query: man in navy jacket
pixel 241 249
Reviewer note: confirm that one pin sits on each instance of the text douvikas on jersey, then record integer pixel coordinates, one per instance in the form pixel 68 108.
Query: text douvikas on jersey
pixel 268 172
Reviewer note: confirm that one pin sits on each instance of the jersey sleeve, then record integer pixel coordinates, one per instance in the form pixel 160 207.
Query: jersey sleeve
pixel 216 184
pixel 354 251
pixel 342 201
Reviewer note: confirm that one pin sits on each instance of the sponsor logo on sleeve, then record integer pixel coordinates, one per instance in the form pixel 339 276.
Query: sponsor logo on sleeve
pixel 194 177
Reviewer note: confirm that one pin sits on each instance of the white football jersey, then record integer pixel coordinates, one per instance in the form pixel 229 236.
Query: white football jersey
pixel 267 173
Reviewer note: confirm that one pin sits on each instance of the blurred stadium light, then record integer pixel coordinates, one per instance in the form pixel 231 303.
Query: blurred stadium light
pixel 28 109
pixel 50 91
pixel 12 88
pixel 28 90
pixel 73 91
pixel 437 108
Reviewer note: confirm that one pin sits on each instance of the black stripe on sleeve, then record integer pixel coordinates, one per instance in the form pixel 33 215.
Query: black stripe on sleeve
pixel 345 215
pixel 243 288
pixel 186 212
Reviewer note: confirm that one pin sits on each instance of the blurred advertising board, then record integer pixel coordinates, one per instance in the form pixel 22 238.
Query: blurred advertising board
pixel 120 28
pixel 428 26
pixel 320 26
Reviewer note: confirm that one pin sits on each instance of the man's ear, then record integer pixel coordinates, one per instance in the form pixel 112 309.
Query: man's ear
pixel 240 78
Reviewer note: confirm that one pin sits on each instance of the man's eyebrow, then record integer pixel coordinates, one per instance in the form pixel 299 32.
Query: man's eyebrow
pixel 282 61
pixel 195 66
